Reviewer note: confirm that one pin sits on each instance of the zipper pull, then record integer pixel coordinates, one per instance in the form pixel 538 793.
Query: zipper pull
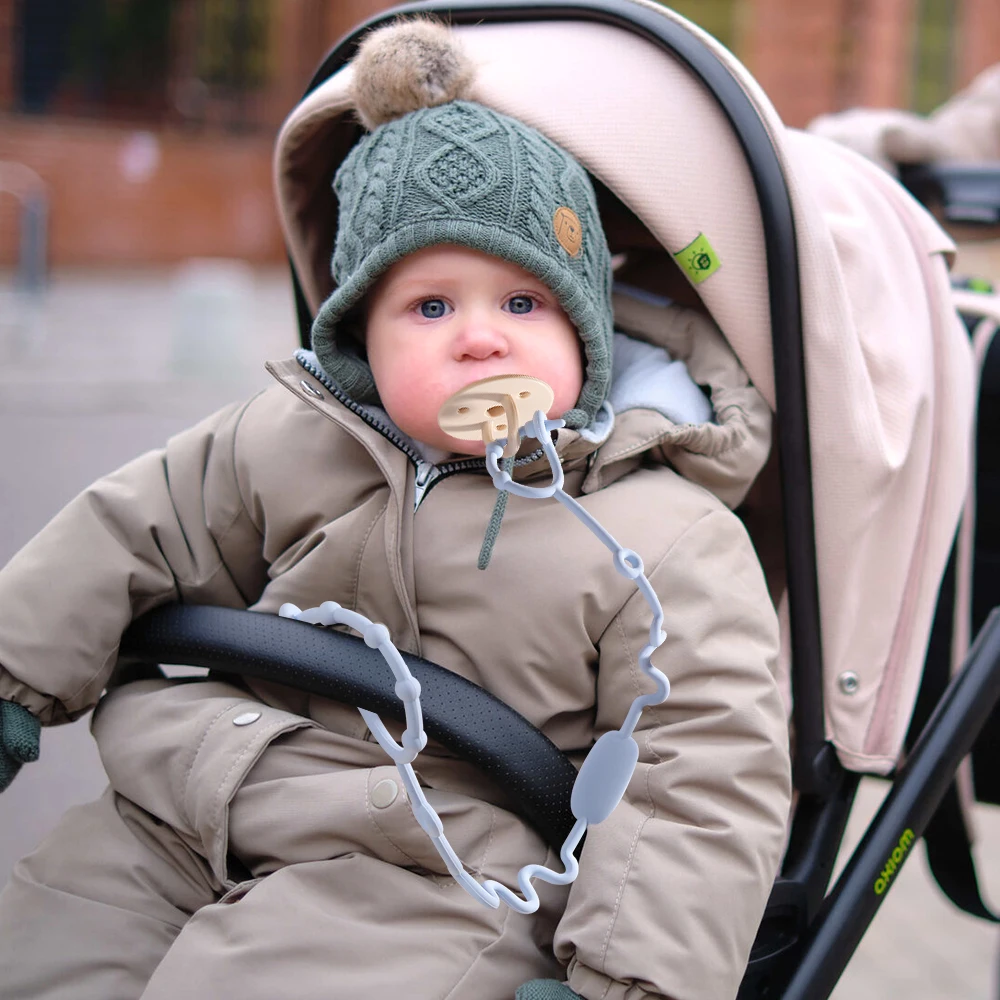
pixel 425 474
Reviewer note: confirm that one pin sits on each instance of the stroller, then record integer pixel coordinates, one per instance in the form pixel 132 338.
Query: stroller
pixel 835 297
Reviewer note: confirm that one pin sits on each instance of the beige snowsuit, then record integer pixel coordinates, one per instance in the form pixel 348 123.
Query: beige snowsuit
pixel 278 857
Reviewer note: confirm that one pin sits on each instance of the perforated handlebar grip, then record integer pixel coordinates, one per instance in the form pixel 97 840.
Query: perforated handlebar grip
pixel 461 716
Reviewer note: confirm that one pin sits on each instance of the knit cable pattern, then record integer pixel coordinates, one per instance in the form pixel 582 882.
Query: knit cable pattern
pixel 463 173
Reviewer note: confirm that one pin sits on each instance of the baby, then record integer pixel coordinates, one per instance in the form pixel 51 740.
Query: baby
pixel 253 841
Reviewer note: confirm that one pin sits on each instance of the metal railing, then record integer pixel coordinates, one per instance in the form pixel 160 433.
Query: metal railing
pixel 32 196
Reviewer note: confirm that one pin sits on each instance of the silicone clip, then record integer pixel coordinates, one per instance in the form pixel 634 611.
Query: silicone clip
pixel 505 409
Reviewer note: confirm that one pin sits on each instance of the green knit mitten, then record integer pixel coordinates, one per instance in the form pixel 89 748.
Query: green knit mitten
pixel 19 732
pixel 546 989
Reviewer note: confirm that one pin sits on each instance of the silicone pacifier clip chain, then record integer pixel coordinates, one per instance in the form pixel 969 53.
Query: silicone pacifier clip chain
pixel 502 411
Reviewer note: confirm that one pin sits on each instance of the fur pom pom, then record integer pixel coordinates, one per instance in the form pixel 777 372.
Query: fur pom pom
pixel 406 66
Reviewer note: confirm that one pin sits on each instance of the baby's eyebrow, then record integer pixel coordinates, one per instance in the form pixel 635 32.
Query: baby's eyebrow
pixel 444 284
pixel 428 285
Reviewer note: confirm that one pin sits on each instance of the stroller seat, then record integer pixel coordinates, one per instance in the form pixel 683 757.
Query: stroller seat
pixel 833 293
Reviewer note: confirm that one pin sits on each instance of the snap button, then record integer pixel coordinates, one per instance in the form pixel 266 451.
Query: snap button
pixel 849 682
pixel 384 793
pixel 246 719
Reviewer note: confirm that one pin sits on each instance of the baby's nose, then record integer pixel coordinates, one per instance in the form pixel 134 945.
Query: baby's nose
pixel 480 339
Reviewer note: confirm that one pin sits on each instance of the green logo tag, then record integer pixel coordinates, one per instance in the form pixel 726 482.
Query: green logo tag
pixel 698 260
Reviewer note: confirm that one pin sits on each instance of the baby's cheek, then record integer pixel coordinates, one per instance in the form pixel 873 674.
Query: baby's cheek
pixel 412 404
pixel 567 381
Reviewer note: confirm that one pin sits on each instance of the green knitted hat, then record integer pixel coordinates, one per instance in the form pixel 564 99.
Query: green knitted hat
pixel 438 169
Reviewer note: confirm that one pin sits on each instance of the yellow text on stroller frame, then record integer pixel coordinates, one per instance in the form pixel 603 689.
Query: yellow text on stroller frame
pixel 894 861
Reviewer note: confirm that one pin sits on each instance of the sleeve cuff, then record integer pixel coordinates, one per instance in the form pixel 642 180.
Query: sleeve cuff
pixel 593 985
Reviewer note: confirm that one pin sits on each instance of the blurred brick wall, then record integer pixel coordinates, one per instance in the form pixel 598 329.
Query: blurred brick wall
pixel 793 50
pixel 305 31
pixel 122 196
pixel 116 198
pixel 829 54
pixel 345 14
pixel 979 38
pixel 880 45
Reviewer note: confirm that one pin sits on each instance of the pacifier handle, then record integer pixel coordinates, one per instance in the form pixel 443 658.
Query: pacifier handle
pixel 491 428
pixel 494 409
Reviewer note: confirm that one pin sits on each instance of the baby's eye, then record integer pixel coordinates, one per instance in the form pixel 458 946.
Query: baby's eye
pixel 520 304
pixel 433 308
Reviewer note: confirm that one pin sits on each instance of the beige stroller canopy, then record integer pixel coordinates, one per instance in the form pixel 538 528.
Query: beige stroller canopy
pixel 888 367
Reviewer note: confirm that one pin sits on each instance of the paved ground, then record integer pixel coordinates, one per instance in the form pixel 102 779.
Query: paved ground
pixel 103 367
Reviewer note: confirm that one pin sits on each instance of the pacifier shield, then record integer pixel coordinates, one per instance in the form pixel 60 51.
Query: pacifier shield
pixel 495 408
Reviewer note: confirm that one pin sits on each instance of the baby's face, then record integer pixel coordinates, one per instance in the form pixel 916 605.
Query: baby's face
pixel 446 316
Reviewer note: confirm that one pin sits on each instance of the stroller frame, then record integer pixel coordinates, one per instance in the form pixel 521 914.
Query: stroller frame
pixel 807 935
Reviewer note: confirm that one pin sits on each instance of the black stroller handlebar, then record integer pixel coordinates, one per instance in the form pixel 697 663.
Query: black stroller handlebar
pixel 460 715
pixel 968 193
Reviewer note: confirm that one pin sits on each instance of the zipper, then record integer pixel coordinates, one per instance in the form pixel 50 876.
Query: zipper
pixel 427 474
pixel 341 397
pixel 434 475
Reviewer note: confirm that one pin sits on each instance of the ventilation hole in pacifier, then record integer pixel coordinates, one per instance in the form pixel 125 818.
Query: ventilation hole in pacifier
pixel 501 427
pixel 524 394
pixel 463 409
pixel 495 411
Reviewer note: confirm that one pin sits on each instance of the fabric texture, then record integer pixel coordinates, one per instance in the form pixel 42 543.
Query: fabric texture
pixel 210 519
pixel 113 885
pixel 138 912
pixel 464 174
pixel 646 376
pixel 546 989
pixel 19 735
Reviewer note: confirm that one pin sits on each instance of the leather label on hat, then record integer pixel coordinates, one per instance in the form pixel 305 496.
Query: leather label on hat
pixel 568 230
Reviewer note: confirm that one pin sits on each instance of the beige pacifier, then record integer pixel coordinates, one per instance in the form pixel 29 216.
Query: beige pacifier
pixel 494 408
